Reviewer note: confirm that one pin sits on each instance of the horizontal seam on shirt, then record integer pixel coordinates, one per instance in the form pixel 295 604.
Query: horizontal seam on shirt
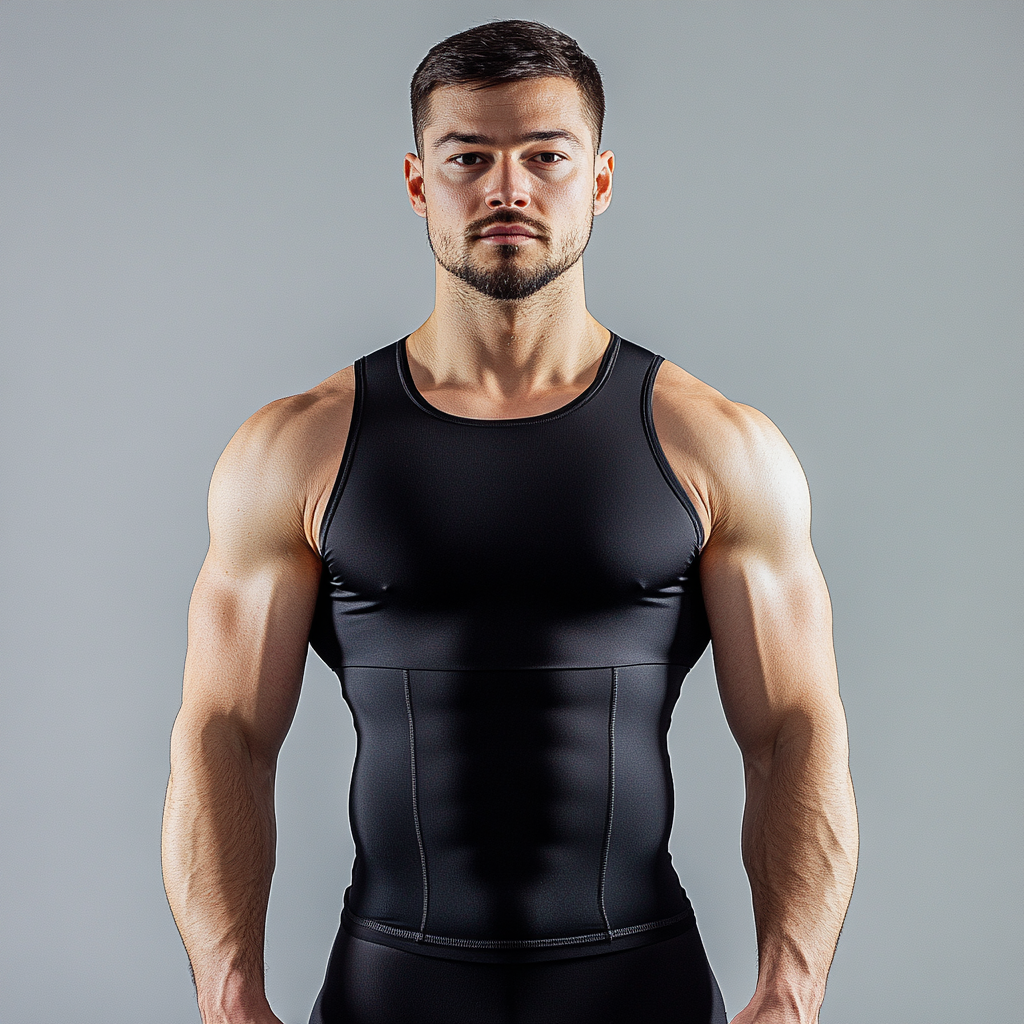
pixel 571 940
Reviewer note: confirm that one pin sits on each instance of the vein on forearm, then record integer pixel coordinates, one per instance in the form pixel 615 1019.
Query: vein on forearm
pixel 799 841
pixel 220 844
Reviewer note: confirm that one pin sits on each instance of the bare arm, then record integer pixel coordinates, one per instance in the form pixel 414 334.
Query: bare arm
pixel 248 627
pixel 771 626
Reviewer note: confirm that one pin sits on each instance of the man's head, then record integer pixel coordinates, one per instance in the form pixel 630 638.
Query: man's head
pixel 508 122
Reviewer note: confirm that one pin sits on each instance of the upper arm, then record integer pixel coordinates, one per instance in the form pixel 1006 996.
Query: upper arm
pixel 767 603
pixel 253 602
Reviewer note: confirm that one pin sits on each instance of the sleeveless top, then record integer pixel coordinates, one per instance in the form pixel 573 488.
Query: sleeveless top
pixel 511 607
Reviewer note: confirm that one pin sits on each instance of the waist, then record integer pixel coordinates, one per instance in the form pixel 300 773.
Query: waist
pixel 520 950
pixel 508 811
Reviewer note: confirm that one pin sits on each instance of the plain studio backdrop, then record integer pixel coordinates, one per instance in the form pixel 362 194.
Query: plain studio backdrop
pixel 818 210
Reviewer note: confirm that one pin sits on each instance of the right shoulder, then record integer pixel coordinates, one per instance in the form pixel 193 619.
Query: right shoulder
pixel 276 474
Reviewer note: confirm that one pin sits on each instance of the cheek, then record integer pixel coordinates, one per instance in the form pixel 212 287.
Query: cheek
pixel 576 191
pixel 568 209
pixel 444 195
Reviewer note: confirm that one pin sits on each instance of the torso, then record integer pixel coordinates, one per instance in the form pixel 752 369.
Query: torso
pixel 510 604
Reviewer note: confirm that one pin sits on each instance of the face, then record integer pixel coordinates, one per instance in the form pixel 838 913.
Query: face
pixel 509 183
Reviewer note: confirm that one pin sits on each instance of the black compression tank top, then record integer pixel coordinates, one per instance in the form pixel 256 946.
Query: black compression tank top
pixel 511 607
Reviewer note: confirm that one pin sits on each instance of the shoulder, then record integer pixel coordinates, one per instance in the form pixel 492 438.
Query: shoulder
pixel 735 462
pixel 280 465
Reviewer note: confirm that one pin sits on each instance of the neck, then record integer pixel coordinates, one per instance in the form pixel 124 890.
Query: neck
pixel 478 356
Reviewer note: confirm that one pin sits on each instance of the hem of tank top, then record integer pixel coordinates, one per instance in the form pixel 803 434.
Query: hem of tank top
pixel 533 668
pixel 659 453
pixel 451 942
pixel 347 455
pixel 604 371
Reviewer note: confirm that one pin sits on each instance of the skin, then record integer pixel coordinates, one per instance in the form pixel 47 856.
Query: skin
pixel 483 162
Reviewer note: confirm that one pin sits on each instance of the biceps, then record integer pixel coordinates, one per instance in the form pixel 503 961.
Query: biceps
pixel 771 628
pixel 247 648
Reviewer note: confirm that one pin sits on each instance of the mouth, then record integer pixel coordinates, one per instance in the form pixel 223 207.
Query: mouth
pixel 506 234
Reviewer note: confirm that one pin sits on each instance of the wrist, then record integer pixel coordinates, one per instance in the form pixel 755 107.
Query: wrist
pixel 234 999
pixel 792 997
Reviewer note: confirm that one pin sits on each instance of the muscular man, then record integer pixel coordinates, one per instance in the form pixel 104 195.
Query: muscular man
pixel 511 534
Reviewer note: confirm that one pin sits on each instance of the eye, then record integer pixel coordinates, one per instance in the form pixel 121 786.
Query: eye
pixel 549 158
pixel 467 159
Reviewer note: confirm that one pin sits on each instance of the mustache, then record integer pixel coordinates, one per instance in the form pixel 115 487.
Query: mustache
pixel 505 217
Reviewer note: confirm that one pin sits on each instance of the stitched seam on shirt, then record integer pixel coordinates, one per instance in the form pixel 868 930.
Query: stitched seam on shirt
pixel 589 392
pixel 647 413
pixel 611 800
pixel 416 805
pixel 542 668
pixel 348 455
pixel 571 940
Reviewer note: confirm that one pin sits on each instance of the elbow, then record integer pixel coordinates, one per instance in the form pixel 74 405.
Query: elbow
pixel 216 740
pixel 808 738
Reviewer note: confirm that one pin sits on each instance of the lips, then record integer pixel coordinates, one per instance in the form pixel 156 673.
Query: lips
pixel 507 233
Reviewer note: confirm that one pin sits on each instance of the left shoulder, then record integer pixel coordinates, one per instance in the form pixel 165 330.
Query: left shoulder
pixel 744 476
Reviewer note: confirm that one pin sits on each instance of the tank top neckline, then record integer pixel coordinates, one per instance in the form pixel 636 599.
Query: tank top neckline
pixel 604 371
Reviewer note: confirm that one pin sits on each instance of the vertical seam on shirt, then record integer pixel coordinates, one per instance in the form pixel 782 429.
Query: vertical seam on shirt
pixel 611 800
pixel 416 804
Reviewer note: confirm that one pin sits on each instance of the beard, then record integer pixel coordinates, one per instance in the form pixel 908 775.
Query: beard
pixel 510 280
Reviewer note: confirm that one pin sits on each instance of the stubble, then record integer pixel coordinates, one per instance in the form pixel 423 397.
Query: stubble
pixel 512 280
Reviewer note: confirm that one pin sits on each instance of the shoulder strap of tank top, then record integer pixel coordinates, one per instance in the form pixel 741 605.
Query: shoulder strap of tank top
pixel 382 380
pixel 626 376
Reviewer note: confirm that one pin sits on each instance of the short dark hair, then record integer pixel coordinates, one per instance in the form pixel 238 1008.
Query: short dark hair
pixel 506 51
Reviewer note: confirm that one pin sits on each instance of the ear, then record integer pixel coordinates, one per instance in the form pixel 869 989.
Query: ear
pixel 604 168
pixel 414 183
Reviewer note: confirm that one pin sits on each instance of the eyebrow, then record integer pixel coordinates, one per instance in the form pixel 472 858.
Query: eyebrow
pixel 467 139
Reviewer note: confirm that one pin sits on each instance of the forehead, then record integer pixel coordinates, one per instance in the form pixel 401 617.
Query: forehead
pixel 507 111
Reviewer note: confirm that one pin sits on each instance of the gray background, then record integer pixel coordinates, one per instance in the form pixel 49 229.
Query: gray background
pixel 818 209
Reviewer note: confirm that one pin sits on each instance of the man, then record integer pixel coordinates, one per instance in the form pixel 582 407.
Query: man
pixel 511 533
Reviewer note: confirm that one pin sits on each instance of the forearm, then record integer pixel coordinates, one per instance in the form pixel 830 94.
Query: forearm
pixel 800 851
pixel 219 840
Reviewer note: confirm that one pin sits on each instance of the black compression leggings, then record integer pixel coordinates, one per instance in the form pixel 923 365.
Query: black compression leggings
pixel 668 982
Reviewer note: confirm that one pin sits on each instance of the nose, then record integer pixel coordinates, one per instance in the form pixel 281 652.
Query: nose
pixel 507 186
